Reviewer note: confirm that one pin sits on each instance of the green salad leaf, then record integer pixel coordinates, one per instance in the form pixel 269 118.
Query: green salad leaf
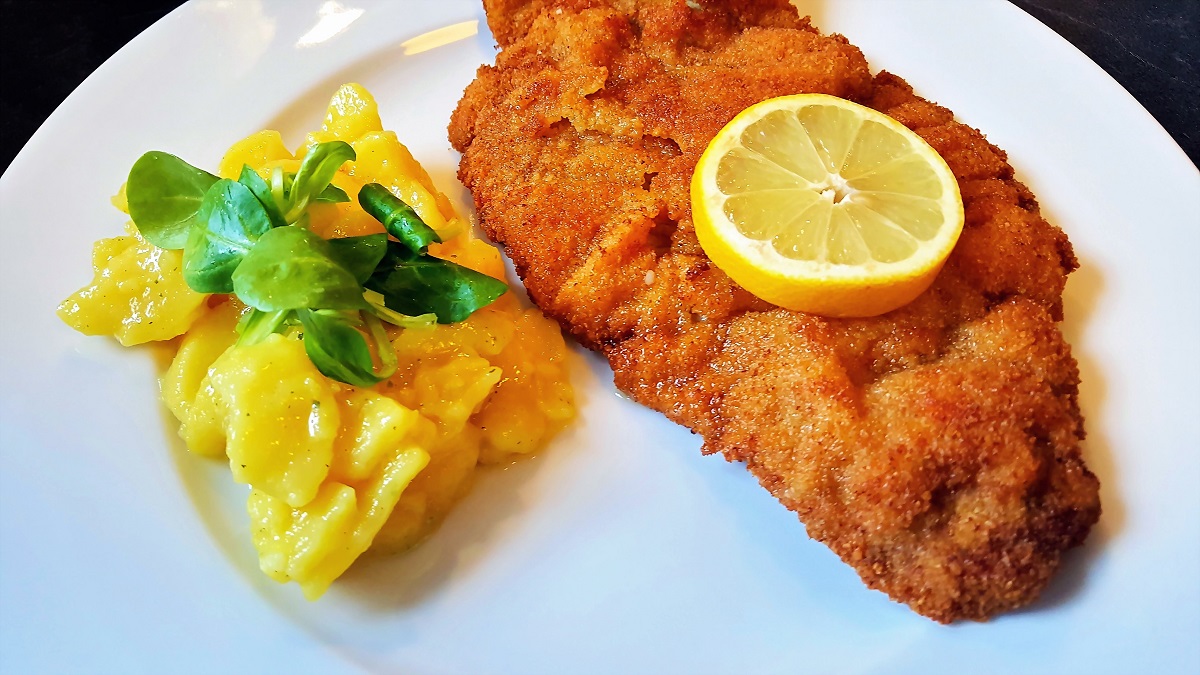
pixel 333 195
pixel 419 284
pixel 164 195
pixel 257 324
pixel 316 170
pixel 340 351
pixel 359 255
pixel 249 237
pixel 229 222
pixel 262 191
pixel 292 268
pixel 398 218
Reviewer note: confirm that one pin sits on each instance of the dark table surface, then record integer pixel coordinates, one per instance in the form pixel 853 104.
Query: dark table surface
pixel 1152 47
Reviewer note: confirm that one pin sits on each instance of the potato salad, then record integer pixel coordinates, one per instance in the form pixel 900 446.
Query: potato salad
pixel 342 338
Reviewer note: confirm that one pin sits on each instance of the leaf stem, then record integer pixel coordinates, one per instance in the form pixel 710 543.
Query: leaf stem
pixel 379 307
pixel 387 352
pixel 277 187
pixel 260 324
pixel 398 218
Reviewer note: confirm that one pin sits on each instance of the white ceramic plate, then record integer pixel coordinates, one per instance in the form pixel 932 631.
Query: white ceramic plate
pixel 620 549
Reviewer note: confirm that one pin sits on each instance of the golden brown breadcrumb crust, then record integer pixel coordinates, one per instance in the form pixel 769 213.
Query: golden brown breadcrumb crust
pixel 935 448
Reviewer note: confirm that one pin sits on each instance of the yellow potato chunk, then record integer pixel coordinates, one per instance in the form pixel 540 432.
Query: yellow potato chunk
pixel 532 400
pixel 287 164
pixel 203 430
pixel 120 201
pixel 256 151
pixel 314 544
pixel 451 389
pixel 432 493
pixel 470 252
pixel 535 399
pixel 280 418
pixel 209 337
pixel 186 389
pixel 383 159
pixel 372 426
pixel 137 295
pixel 352 112
pixel 291 541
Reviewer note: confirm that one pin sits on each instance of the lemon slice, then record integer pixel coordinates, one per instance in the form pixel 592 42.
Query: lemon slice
pixel 821 205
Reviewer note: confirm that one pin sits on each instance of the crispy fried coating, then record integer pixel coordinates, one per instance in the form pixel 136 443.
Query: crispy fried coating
pixel 934 448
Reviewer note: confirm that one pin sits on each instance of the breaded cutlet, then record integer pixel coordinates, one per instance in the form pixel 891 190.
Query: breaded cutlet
pixel 936 448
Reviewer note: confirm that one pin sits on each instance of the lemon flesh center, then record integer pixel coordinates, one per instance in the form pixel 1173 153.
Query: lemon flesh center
pixel 821 184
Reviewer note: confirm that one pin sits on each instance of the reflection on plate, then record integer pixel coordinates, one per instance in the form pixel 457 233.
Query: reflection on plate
pixel 621 549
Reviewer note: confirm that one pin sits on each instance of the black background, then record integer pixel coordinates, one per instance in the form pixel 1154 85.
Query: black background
pixel 1152 47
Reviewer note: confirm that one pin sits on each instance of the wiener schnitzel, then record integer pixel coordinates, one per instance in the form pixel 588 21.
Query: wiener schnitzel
pixel 934 448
